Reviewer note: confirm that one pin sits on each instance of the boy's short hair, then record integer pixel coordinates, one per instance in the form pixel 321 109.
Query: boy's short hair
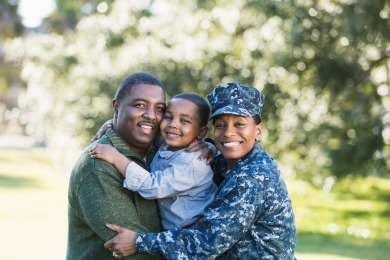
pixel 201 103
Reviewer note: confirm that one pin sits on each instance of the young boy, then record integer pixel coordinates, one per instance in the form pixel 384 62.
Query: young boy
pixel 182 184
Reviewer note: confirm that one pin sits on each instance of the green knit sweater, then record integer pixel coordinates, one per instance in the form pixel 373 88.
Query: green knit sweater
pixel 96 197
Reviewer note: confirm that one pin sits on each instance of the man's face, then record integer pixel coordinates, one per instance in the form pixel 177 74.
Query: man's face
pixel 137 117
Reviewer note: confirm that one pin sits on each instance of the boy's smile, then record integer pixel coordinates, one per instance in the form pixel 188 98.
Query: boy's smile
pixel 180 124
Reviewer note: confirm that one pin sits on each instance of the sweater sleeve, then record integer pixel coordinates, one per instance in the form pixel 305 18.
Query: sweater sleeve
pixel 102 200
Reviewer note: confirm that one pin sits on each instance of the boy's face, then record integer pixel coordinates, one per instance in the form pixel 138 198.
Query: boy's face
pixel 235 136
pixel 181 124
pixel 137 117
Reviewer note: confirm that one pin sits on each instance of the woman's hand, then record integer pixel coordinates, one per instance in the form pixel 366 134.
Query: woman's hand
pixel 107 125
pixel 123 244
pixel 207 148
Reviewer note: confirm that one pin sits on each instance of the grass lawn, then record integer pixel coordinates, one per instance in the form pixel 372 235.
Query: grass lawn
pixel 352 223
pixel 33 198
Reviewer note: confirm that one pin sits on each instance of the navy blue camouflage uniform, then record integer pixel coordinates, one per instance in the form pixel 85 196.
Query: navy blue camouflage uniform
pixel 251 216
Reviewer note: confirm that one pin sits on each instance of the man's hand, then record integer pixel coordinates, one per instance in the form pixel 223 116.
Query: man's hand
pixel 107 125
pixel 208 150
pixel 123 244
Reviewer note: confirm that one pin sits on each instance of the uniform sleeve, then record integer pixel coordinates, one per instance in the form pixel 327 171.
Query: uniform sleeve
pixel 233 212
pixel 172 181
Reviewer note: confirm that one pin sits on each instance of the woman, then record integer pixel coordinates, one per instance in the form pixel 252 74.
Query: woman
pixel 251 216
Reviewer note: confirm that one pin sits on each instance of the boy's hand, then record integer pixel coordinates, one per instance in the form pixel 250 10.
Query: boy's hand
pixel 111 155
pixel 105 152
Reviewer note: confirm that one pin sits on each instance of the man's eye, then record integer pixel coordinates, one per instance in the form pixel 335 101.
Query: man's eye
pixel 161 109
pixel 139 105
pixel 219 126
pixel 239 125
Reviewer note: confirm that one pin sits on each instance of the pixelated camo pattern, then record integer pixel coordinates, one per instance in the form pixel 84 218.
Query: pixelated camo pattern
pixel 251 218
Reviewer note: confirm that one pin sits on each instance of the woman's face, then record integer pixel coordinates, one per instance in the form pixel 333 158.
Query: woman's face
pixel 235 136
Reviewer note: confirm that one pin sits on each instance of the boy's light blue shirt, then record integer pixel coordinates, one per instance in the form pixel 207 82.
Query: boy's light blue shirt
pixel 182 184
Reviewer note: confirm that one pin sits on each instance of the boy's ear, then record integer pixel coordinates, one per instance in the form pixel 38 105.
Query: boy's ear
pixel 115 105
pixel 202 133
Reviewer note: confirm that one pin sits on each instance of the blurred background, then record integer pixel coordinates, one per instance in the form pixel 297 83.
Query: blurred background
pixel 324 67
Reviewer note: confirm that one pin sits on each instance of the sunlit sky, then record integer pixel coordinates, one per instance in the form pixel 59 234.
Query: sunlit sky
pixel 33 11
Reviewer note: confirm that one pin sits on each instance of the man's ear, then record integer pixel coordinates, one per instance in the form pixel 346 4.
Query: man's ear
pixel 202 133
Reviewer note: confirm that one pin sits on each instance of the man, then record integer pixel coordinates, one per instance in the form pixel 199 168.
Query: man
pixel 96 194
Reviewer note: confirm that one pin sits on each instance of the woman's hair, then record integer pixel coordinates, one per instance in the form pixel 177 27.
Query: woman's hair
pixel 257 119
pixel 203 106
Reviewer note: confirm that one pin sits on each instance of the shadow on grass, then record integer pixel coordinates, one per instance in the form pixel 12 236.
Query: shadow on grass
pixel 18 182
pixel 341 245
pixel 383 211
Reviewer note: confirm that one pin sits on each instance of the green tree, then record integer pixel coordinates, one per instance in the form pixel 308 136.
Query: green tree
pixel 323 67
pixel 10 26
pixel 339 52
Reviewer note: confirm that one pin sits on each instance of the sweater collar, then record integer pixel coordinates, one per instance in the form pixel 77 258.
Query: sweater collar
pixel 124 149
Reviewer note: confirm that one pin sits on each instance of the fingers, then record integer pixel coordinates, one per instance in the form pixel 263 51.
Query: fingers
pixel 95 151
pixel 114 227
pixel 210 160
pixel 110 246
pixel 207 154
pixel 92 152
pixel 195 145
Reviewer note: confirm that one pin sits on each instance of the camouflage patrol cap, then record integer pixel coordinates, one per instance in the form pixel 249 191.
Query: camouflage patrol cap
pixel 234 98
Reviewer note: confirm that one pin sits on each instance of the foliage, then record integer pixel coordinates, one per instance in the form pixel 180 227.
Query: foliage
pixel 10 25
pixel 323 66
